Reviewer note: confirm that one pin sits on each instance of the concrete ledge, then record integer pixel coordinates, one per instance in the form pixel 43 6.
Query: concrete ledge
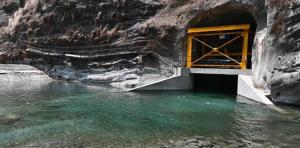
pixel 220 71
pixel 181 81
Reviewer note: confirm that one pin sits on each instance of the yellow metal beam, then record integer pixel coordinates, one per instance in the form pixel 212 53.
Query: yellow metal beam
pixel 219 28
pixel 203 47
pixel 217 49
pixel 218 33
pixel 204 56
pixel 215 65
pixel 203 43
pixel 229 54
pixel 189 51
pixel 245 49
pixel 228 57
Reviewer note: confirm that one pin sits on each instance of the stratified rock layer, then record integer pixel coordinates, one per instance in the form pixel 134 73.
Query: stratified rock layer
pixel 61 23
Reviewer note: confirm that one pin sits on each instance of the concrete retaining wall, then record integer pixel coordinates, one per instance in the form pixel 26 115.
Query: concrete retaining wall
pixel 181 81
pixel 246 90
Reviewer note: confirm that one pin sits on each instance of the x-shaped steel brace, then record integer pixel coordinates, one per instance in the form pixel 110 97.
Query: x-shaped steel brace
pixel 217 49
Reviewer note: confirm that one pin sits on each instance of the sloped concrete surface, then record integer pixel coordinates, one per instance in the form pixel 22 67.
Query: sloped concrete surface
pixel 247 90
pixel 181 80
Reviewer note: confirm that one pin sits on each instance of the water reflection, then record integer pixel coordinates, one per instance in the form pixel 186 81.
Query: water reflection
pixel 68 114
pixel 21 91
pixel 260 125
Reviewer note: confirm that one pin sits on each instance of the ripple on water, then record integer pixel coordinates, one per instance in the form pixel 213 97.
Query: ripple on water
pixel 2 110
pixel 66 113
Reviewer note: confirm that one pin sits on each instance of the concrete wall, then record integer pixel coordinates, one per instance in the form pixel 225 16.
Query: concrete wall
pixel 182 81
pixel 246 90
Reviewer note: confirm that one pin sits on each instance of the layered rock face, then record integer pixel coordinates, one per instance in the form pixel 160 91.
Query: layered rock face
pixel 283 48
pixel 74 25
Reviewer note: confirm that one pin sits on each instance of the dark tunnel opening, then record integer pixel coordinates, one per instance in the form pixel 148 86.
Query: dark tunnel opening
pixel 225 17
pixel 225 84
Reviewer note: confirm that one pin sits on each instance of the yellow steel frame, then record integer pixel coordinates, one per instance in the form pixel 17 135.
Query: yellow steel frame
pixel 239 30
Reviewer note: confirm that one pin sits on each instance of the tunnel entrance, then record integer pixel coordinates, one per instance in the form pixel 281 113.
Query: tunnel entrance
pixel 215 83
pixel 221 39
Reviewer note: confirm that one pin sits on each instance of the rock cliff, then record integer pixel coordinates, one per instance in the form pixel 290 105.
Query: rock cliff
pixel 128 41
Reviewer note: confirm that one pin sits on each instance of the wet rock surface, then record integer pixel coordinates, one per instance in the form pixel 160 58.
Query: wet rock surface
pixel 17 73
pixel 61 27
pixel 191 142
pixel 284 51
pixel 215 142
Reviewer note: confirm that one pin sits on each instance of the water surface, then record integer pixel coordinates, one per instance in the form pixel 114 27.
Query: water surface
pixel 73 114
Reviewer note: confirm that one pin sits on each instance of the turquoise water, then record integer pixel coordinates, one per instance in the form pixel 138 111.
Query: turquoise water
pixel 75 115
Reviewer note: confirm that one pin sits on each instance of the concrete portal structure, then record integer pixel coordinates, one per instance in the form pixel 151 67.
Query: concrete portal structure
pixel 184 80
pixel 235 63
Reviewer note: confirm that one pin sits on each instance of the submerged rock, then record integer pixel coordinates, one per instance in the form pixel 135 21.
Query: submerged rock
pixel 215 142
